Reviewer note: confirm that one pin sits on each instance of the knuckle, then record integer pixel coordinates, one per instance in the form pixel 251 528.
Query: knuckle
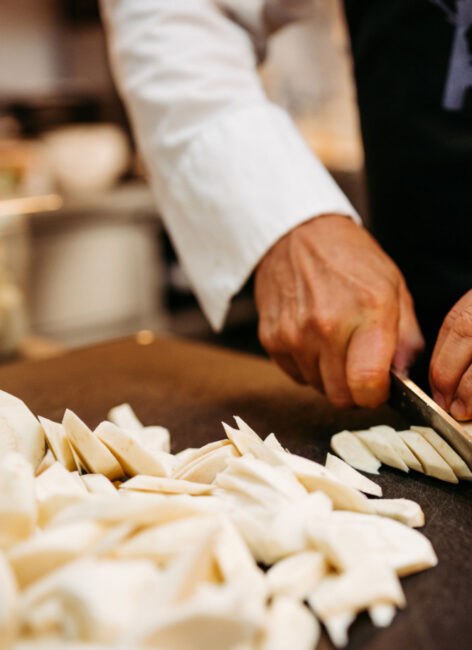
pixel 289 336
pixel 266 337
pixel 327 326
pixel 463 323
pixel 380 298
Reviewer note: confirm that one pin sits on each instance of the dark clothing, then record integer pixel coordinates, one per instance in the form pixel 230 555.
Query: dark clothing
pixel 413 69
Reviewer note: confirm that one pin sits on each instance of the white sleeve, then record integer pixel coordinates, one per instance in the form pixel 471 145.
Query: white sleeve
pixel 230 172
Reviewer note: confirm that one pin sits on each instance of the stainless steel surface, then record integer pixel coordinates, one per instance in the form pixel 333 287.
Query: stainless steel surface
pixel 410 400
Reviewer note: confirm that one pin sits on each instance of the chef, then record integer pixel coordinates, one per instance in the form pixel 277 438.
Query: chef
pixel 240 191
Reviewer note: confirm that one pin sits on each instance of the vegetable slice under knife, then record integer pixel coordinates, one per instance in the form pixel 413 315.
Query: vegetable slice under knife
pixel 399 445
pixel 353 452
pixel 452 458
pixel 383 449
pixel 433 463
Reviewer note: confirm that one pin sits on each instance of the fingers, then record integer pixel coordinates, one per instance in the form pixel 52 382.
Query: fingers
pixel 461 406
pixel 452 356
pixel 410 340
pixel 289 366
pixel 333 376
pixel 369 358
pixel 308 366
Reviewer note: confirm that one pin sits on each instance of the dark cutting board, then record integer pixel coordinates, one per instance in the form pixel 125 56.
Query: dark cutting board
pixel 190 388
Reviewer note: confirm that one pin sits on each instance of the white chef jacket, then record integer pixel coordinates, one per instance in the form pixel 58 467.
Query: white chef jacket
pixel 229 170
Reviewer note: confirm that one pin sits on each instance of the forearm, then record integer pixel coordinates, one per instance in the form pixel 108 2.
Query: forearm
pixel 230 172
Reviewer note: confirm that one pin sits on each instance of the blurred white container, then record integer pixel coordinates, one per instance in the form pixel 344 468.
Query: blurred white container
pixel 96 269
pixel 87 157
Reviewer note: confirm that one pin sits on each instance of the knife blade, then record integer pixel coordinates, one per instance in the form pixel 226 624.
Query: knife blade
pixel 414 403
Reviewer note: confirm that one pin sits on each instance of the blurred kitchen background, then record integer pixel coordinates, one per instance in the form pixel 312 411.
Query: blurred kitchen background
pixel 83 256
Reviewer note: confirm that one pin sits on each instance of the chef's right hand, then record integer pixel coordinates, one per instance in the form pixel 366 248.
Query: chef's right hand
pixel 335 312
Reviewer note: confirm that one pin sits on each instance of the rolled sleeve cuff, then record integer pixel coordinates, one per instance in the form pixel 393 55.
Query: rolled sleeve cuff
pixel 244 182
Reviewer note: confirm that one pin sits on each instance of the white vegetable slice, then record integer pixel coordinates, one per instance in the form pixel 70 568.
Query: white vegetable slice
pixel 155 439
pixel 234 560
pixel 57 441
pixel 279 479
pixel 350 476
pixel 400 447
pixel 257 534
pixel 314 476
pixel 356 589
pixel 91 593
pixel 97 458
pixel 163 485
pixel 349 539
pixel 289 624
pixel 132 455
pixel 56 488
pixel 48 460
pixel 242 440
pixel 382 614
pixel 432 462
pixel 297 576
pixel 55 642
pixel 382 448
pixel 215 618
pixel 163 543
pixel 98 484
pixel 186 456
pixel 8 440
pixel 289 523
pixel 245 491
pixel 243 426
pixel 48 550
pixel 338 626
pixel 44 621
pixel 18 511
pixel 452 458
pixel 404 510
pixel 8 605
pixel 124 417
pixel 28 435
pixel 80 465
pixel 138 509
pixel 272 442
pixel 195 457
pixel 354 453
pixel 207 467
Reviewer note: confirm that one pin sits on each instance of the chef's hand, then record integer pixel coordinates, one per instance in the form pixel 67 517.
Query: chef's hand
pixel 335 312
pixel 450 372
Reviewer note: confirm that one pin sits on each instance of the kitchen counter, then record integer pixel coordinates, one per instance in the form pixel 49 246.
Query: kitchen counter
pixel 190 388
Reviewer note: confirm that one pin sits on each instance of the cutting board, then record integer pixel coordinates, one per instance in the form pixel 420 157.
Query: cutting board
pixel 190 388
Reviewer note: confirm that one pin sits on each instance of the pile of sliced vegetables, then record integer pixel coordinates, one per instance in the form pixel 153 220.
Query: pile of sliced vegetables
pixel 110 541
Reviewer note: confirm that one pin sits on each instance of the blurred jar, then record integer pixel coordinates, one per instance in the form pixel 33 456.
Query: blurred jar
pixel 87 158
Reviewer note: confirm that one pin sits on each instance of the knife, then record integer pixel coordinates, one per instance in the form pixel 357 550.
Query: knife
pixel 410 400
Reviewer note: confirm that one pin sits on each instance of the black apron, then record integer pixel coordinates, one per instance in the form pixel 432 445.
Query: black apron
pixel 413 70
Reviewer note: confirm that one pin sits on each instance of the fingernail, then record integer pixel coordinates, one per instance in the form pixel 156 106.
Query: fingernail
pixel 458 409
pixel 439 399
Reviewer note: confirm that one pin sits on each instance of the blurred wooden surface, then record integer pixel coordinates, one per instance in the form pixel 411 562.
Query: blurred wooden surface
pixel 190 388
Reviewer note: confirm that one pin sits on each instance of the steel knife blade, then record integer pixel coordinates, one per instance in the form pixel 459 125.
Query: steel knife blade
pixel 419 408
